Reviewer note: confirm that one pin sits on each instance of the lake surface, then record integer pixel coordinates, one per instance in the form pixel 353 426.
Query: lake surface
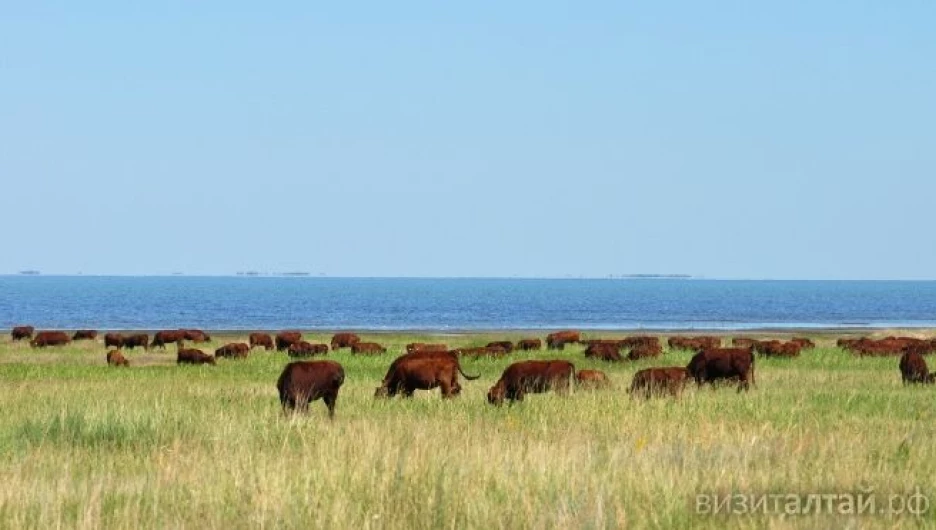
pixel 270 303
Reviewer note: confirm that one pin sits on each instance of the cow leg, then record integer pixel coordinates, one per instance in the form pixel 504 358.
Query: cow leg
pixel 446 388
pixel 330 399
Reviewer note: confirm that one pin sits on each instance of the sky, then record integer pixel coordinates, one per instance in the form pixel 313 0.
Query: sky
pixel 785 140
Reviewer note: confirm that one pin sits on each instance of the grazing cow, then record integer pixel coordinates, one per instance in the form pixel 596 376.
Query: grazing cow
pixel 604 352
pixel 659 381
pixel 195 335
pixel 743 342
pixel 284 339
pixel 529 344
pixel 136 340
pixel 234 350
pixel 305 381
pixel 85 334
pixel 645 351
pixel 481 351
pixel 775 348
pixel 50 338
pixel 113 340
pixel 695 344
pixel 913 369
pixel 804 343
pixel 116 358
pixel 161 338
pixel 415 347
pixel 723 363
pixel 306 349
pixel 369 348
pixel 22 332
pixel 423 371
pixel 642 341
pixel 591 379
pixel 531 377
pixel 261 339
pixel 558 340
pixel 505 344
pixel 193 356
pixel 344 340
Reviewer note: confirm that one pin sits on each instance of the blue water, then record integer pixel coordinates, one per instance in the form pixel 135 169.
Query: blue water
pixel 70 302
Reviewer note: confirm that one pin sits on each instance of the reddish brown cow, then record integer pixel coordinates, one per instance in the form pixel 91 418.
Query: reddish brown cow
pixel 195 335
pixel 743 342
pixel 642 341
pixel 604 352
pixel 113 340
pixel 286 338
pixel 505 344
pixel 116 358
pixel 414 347
pixel 423 371
pixel 135 340
pixel 913 369
pixel 193 356
pixel 804 343
pixel 775 348
pixel 481 351
pixel 261 339
pixel 529 344
pixel 645 351
pixel 591 379
pixel 85 334
pixel 305 381
pixel 344 340
pixel 161 338
pixel 50 338
pixel 558 340
pixel 696 344
pixel 534 377
pixel 370 348
pixel 22 332
pixel 306 349
pixel 234 350
pixel 735 364
pixel 659 381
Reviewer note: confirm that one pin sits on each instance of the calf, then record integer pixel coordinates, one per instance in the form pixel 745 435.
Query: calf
pixel 116 358
pixel 591 379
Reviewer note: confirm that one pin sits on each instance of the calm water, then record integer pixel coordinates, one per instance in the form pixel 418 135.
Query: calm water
pixel 64 302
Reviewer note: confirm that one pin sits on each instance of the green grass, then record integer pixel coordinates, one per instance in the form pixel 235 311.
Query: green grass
pixel 157 445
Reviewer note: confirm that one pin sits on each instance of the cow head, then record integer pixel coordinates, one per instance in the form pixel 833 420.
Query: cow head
pixel 495 395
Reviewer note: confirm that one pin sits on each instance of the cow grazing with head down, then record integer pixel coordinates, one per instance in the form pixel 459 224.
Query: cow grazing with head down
pixel 529 344
pixel 284 339
pixel 644 351
pixel 507 346
pixel 261 339
pixel 305 381
pixel 604 352
pixel 481 351
pixel 913 369
pixel 193 356
pixel 695 344
pixel 136 340
pixel 423 371
pixel 85 334
pixel 234 350
pixel 415 347
pixel 116 358
pixel 733 364
pixel 195 335
pixel 659 381
pixel 804 343
pixel 22 332
pixel 344 340
pixel 531 377
pixel 306 349
pixel 591 379
pixel 50 338
pixel 114 340
pixel 558 340
pixel 775 348
pixel 161 338
pixel 368 348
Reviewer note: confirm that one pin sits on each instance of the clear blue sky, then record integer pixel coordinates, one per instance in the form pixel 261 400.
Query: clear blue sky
pixel 791 139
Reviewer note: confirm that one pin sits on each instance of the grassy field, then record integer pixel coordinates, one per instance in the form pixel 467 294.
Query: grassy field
pixel 162 446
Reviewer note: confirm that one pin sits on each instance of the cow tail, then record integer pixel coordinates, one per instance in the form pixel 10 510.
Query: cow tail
pixel 466 376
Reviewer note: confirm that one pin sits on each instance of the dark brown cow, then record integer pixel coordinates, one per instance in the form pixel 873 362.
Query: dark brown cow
pixel 505 344
pixel 604 352
pixel 135 340
pixel 193 356
pixel 591 379
pixel 116 358
pixel 22 332
pixel 286 338
pixel 529 344
pixel 306 349
pixel 775 348
pixel 50 338
pixel 195 335
pixel 659 381
pixel 161 338
pixel 344 340
pixel 423 371
pixel 114 340
pixel 804 343
pixel 234 350
pixel 645 351
pixel 735 364
pixel 369 348
pixel 743 342
pixel 533 377
pixel 642 341
pixel 305 381
pixel 913 369
pixel 414 347
pixel 558 340
pixel 261 339
pixel 695 344
pixel 85 334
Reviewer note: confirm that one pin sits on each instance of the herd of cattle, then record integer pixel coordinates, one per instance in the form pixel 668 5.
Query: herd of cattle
pixel 428 366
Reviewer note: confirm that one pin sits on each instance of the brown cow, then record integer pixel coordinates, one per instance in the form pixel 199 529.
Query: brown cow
pixel 505 344
pixel 529 344
pixel 116 358
pixel 344 340
pixel 423 371
pixel 723 363
pixel 642 341
pixel 804 343
pixel 531 377
pixel 306 349
pixel 261 339
pixel 50 338
pixel 305 381
pixel 193 356
pixel 481 351
pixel 558 340
pixel 695 344
pixel 234 350
pixel 658 381
pixel 113 340
pixel 370 348
pixel 195 335
pixel 645 351
pixel 85 334
pixel 743 342
pixel 286 338
pixel 913 369
pixel 775 348
pixel 22 332
pixel 604 352
pixel 414 347
pixel 591 379
pixel 132 341
pixel 161 338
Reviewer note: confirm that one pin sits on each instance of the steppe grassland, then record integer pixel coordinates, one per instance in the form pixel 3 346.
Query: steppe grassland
pixel 157 445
